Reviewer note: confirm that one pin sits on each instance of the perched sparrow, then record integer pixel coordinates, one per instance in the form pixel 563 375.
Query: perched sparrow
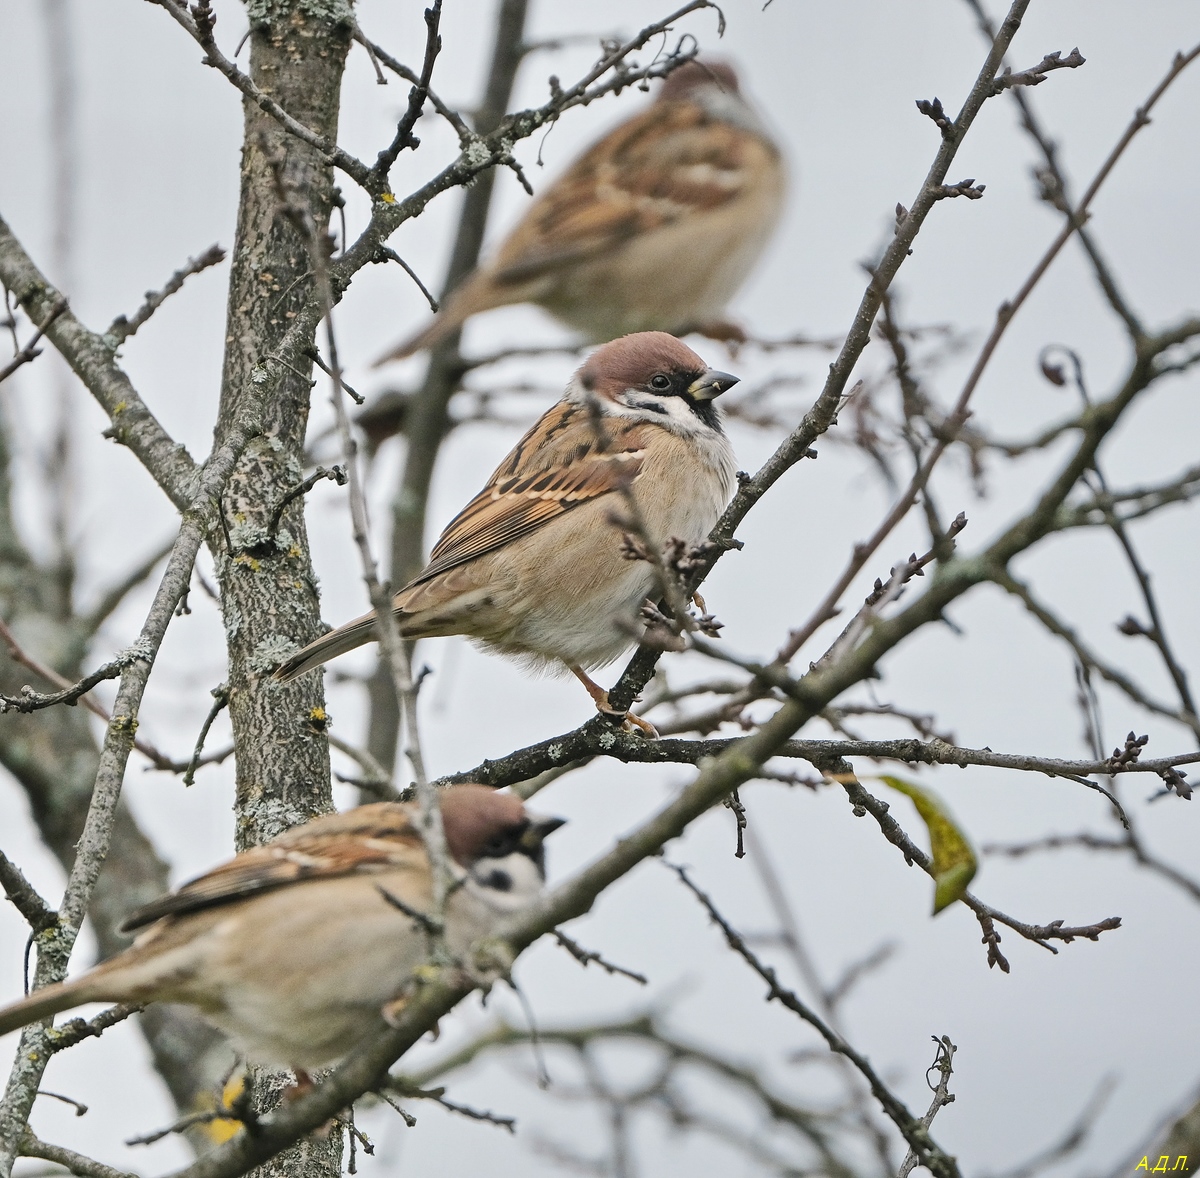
pixel 653 228
pixel 295 947
pixel 536 565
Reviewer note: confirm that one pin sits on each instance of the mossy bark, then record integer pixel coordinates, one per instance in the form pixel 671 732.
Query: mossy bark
pixel 268 588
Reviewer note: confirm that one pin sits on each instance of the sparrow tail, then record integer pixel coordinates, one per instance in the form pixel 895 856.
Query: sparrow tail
pixel 434 333
pixel 348 637
pixel 47 1001
pixel 477 293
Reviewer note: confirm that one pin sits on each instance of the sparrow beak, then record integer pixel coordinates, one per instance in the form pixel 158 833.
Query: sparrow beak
pixel 711 384
pixel 537 831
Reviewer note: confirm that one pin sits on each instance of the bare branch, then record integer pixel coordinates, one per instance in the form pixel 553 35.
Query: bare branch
pixel 598 738
pixel 199 24
pixel 24 897
pixel 1037 74
pixel 942 1096
pixel 377 781
pixel 32 1147
pixel 31 701
pixel 122 328
pixel 928 1153
pixel 417 96
pixel 220 703
pixel 586 956
pixel 92 360
pixel 31 351
pixel 76 1030
pixel 1089 657
pixel 337 474
pixel 111 599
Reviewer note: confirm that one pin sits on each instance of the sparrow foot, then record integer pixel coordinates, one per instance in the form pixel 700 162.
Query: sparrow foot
pixel 633 723
pixel 629 721
pixel 302 1087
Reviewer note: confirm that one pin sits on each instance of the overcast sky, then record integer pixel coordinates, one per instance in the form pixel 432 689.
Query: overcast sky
pixel 160 137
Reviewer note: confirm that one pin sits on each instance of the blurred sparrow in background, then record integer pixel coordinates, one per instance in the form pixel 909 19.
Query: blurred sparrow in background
pixel 653 228
pixel 294 948
pixel 535 566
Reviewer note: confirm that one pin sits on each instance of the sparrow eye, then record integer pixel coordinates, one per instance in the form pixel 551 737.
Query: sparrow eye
pixel 660 382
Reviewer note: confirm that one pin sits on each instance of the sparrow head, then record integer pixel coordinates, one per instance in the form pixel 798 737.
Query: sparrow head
pixel 657 377
pixel 497 840
pixel 682 84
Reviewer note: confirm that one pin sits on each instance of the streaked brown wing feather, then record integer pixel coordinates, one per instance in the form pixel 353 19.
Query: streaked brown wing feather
pixel 672 160
pixel 562 465
pixel 368 838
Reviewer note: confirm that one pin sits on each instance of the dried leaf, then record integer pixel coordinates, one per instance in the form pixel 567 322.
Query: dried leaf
pixel 954 861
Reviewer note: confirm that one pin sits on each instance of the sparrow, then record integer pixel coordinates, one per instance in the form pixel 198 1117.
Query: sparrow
pixel 294 948
pixel 537 565
pixel 655 227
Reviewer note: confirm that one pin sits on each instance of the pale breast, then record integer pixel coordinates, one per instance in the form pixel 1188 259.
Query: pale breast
pixel 298 977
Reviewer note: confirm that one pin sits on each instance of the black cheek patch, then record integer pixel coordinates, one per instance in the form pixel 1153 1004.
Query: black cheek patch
pixel 652 406
pixel 498 881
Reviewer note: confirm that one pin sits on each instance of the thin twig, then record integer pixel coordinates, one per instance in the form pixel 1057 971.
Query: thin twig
pixel 586 956
pixel 30 351
pixel 391 255
pixel 122 328
pixel 417 96
pixel 24 897
pixel 958 416
pixel 927 1151
pixel 943 1064
pixel 220 702
pixel 33 1147
pixel 337 474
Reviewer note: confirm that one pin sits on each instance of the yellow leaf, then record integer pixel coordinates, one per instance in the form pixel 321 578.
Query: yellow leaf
pixel 221 1129
pixel 954 861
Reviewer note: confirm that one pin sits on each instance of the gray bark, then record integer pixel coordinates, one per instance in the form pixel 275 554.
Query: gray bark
pixel 268 588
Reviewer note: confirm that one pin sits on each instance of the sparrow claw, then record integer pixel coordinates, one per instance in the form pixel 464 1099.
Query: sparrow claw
pixel 629 722
pixel 634 723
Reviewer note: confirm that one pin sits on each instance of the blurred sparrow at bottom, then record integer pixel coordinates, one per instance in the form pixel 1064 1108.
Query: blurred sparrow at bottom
pixel 294 948
pixel 537 565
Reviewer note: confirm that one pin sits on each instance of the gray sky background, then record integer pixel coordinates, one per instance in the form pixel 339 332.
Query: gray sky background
pixel 160 137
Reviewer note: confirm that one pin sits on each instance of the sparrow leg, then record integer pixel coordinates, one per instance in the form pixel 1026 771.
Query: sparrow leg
pixel 698 601
pixel 302 1087
pixel 600 699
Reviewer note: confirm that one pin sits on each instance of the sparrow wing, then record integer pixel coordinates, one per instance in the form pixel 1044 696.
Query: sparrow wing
pixel 563 462
pixel 670 162
pixel 369 838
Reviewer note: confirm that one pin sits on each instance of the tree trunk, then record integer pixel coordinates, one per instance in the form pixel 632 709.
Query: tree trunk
pixel 268 589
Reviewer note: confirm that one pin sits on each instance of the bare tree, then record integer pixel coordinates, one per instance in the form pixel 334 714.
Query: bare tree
pixel 807 702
